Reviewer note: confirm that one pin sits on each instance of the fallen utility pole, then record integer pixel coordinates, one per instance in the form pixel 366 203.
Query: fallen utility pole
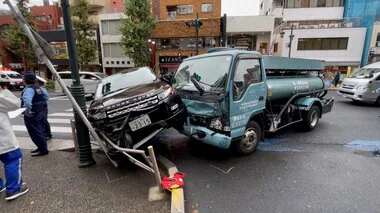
pixel 42 49
pixel 77 89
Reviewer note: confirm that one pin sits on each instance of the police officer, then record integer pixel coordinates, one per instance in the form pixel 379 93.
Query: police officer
pixel 40 82
pixel 33 99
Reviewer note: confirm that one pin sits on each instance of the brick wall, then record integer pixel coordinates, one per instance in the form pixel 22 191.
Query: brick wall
pixel 177 28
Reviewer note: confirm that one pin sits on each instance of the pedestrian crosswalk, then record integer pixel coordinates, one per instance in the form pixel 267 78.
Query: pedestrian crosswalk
pixel 59 123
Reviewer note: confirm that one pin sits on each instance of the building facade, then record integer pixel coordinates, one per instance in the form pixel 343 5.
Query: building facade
pixel 46 17
pixel 315 29
pixel 363 13
pixel 250 32
pixel 374 53
pixel 113 56
pixel 174 40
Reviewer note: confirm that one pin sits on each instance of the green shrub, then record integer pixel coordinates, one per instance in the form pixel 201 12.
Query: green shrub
pixel 49 85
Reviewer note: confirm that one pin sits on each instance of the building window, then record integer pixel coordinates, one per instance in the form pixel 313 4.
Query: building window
pixel 377 40
pixel 261 5
pixel 275 47
pixel 3 28
pixel 314 3
pixel 207 8
pixel 185 9
pixel 322 44
pixel 321 3
pixel 187 43
pixel 113 50
pixel 111 27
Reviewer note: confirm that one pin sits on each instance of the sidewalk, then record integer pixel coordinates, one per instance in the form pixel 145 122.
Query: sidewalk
pixel 58 185
pixel 53 145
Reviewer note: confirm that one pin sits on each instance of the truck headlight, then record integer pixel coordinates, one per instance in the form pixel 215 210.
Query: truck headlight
pixel 216 123
pixel 165 94
pixel 362 88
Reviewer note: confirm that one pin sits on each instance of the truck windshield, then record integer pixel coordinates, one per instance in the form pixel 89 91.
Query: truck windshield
pixel 209 72
pixel 365 73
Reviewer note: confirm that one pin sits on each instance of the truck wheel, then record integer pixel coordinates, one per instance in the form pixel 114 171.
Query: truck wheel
pixel 311 118
pixel 250 139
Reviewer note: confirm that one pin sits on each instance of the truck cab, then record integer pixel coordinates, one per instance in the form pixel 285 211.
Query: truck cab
pixel 229 101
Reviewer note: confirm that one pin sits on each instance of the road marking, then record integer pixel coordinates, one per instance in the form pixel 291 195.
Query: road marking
pixel 69 110
pixel 55 129
pixel 59 121
pixel 62 114
pixel 61 98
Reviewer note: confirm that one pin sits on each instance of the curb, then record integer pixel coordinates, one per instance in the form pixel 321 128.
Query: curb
pixel 178 198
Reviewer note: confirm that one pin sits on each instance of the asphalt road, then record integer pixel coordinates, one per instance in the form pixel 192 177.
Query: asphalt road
pixel 331 169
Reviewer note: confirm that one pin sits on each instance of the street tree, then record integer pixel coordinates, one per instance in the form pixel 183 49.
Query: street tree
pixel 16 39
pixel 136 29
pixel 84 32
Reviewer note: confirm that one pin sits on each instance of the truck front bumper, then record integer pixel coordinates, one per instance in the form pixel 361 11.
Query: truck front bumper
pixel 207 136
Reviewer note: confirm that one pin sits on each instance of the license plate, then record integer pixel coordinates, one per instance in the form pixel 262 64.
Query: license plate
pixel 140 123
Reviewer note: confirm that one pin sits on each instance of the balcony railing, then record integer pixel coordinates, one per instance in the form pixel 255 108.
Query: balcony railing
pixel 287 26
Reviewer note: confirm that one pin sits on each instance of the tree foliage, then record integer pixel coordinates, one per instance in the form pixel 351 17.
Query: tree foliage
pixel 84 31
pixel 136 29
pixel 16 39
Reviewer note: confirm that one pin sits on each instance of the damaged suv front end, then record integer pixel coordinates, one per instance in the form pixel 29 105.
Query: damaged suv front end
pixel 132 106
pixel 201 83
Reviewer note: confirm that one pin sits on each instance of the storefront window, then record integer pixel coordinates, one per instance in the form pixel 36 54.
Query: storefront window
pixel 186 43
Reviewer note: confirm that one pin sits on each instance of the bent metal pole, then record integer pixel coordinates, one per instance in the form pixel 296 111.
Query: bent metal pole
pixel 40 53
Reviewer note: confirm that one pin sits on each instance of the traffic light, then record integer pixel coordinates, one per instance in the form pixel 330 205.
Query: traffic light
pixel 198 23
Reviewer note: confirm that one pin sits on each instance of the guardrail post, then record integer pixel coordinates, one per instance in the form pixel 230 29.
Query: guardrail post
pixel 155 167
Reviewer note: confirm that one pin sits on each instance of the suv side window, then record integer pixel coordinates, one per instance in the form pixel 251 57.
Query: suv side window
pixel 3 76
pixel 378 78
pixel 247 72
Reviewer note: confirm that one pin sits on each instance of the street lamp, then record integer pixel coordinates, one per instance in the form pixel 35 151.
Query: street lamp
pixel 291 36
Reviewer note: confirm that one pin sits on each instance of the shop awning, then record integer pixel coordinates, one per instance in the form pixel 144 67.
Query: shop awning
pixel 169 65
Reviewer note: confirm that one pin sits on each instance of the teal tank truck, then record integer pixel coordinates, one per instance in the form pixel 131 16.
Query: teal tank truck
pixel 233 97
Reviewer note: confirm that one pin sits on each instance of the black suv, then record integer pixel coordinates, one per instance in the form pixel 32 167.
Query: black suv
pixel 132 105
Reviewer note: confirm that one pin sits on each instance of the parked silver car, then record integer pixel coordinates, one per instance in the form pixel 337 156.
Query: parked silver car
pixel 89 80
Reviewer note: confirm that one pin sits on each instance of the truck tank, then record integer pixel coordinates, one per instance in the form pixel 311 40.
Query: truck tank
pixel 281 88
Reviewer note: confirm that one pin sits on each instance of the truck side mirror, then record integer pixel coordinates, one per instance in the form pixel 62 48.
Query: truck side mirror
pixel 167 78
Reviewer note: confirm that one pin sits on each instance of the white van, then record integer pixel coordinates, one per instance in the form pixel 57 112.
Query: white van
pixel 362 84
pixel 89 80
pixel 12 79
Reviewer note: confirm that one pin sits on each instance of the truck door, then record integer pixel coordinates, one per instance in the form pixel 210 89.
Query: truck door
pixel 248 94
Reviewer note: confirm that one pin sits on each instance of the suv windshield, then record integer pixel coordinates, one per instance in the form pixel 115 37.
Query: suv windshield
pixel 126 79
pixel 15 76
pixel 364 73
pixel 209 72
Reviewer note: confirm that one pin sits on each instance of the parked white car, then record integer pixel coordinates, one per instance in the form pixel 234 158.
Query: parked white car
pixel 89 80
pixel 12 79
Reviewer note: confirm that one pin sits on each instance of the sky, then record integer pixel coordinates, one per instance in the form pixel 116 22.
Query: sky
pixel 231 7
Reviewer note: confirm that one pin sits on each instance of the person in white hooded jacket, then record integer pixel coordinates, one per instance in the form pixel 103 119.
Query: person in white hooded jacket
pixel 10 153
